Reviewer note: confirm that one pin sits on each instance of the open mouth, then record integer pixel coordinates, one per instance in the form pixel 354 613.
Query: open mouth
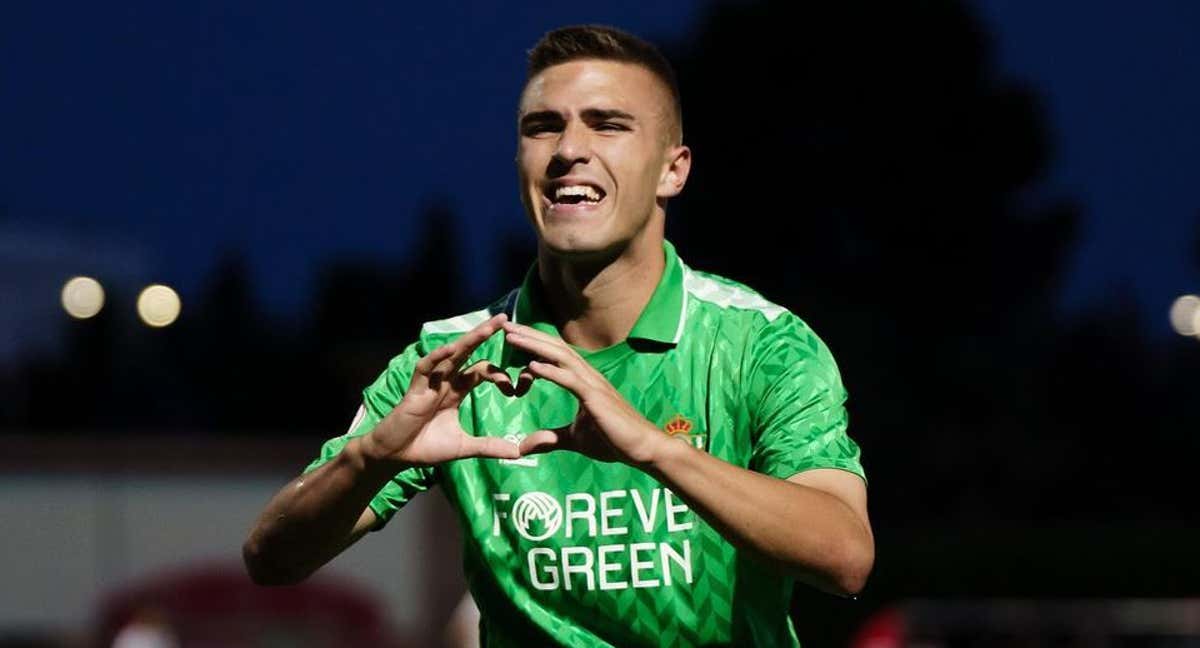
pixel 580 195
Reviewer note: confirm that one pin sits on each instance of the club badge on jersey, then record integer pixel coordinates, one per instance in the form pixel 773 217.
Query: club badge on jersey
pixel 681 427
pixel 677 426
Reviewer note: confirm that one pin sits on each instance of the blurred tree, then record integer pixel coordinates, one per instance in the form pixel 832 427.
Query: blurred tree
pixel 75 390
pixel 865 165
pixel 234 353
pixel 366 312
pixel 862 164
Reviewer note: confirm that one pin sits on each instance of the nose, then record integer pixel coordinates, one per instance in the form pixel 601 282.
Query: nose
pixel 573 145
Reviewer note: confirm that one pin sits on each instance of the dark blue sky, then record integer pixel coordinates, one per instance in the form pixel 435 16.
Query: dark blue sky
pixel 1121 85
pixel 300 135
pixel 295 134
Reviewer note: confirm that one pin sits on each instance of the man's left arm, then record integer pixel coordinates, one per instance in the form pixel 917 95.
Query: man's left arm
pixel 802 503
pixel 814 523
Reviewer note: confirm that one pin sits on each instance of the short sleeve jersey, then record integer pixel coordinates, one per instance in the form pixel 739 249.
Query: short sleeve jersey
pixel 561 549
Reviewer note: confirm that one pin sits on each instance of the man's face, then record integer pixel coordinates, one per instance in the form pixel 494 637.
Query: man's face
pixel 593 154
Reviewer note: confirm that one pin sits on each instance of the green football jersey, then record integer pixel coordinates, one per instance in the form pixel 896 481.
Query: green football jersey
pixel 559 548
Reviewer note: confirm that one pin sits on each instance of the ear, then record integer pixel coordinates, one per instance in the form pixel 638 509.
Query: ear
pixel 675 172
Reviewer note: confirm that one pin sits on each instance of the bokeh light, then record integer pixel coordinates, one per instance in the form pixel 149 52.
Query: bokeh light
pixel 1184 314
pixel 82 297
pixel 158 305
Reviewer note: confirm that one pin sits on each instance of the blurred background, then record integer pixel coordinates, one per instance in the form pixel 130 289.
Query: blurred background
pixel 987 209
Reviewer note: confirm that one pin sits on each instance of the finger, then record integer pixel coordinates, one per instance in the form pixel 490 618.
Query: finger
pixel 560 376
pixel 512 328
pixel 524 383
pixel 554 351
pixel 503 383
pixel 491 447
pixel 530 332
pixel 465 345
pixel 539 442
pixel 484 371
pixel 425 371
pixel 426 364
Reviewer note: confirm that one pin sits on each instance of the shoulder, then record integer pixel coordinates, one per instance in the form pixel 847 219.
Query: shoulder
pixel 735 305
pixel 729 297
pixel 435 333
pixel 766 333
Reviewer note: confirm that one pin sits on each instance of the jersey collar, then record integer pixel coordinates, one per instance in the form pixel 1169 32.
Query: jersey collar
pixel 661 320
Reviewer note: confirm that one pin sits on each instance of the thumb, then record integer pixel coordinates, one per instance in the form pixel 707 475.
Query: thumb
pixel 489 447
pixel 539 442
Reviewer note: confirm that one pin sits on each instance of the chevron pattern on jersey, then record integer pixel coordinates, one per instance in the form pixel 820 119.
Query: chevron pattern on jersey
pixel 726 293
pixel 563 548
pixel 458 324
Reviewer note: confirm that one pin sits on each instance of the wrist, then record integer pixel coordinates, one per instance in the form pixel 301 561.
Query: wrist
pixel 667 451
pixel 366 456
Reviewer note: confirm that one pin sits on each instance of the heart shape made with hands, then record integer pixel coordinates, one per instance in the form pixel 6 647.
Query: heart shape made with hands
pixel 606 427
pixel 543 439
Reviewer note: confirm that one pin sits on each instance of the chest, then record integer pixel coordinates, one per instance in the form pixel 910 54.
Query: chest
pixel 691 396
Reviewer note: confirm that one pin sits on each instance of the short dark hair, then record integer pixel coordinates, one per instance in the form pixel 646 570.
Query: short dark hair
pixel 578 42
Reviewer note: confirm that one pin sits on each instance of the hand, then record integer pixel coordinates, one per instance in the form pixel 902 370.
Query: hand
pixel 423 429
pixel 607 427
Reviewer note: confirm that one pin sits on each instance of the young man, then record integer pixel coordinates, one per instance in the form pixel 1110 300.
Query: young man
pixel 660 452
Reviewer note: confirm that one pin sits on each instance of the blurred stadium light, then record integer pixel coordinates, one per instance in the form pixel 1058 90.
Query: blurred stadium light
pixel 36 261
pixel 82 297
pixel 1184 314
pixel 158 305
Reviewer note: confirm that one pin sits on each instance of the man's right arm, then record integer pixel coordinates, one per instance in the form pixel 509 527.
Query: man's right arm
pixel 325 510
pixel 315 517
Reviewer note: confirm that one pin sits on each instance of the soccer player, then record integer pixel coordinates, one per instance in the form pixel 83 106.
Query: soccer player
pixel 638 452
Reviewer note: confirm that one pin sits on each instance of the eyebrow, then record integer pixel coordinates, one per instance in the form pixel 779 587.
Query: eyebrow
pixel 600 114
pixel 589 114
pixel 541 116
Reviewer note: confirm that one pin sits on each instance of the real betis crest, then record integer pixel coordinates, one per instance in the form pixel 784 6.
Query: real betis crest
pixel 679 426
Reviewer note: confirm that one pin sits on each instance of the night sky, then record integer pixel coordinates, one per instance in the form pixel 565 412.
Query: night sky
pixel 1121 86
pixel 298 136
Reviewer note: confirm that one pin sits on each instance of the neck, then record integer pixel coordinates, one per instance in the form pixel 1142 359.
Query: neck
pixel 596 303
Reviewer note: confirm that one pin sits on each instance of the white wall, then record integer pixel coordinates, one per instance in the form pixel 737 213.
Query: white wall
pixel 67 538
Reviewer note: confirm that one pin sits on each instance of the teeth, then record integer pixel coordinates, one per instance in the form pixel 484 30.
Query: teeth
pixel 577 190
